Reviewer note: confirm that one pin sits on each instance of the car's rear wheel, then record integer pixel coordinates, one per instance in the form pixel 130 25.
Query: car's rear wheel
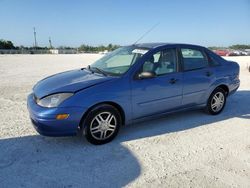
pixel 216 101
pixel 102 124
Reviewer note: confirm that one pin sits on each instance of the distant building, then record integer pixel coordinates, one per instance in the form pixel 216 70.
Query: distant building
pixel 63 51
pixel 103 52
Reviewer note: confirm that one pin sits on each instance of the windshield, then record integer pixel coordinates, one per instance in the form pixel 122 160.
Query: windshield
pixel 118 61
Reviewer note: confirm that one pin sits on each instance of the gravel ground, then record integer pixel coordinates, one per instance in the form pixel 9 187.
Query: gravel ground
pixel 188 149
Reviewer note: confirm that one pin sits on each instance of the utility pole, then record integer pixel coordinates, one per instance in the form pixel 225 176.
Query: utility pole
pixel 50 43
pixel 35 45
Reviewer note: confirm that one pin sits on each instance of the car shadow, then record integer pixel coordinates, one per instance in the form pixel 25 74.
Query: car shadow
pixel 37 161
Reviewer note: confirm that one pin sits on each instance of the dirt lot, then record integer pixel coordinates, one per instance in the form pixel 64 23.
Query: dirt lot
pixel 188 149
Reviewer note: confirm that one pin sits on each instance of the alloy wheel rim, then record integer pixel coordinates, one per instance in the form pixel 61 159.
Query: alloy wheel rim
pixel 217 101
pixel 103 125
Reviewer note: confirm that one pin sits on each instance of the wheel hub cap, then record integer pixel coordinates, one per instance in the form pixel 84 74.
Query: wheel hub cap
pixel 103 125
pixel 217 102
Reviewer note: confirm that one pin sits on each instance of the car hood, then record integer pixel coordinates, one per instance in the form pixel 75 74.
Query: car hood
pixel 70 81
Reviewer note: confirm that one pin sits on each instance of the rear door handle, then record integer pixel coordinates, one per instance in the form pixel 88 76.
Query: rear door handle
pixel 173 80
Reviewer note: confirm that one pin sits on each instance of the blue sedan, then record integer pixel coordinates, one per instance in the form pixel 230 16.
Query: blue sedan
pixel 132 83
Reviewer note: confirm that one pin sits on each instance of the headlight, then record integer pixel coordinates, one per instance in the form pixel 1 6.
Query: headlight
pixel 53 100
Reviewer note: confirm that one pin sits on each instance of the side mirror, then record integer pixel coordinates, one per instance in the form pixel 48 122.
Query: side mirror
pixel 146 75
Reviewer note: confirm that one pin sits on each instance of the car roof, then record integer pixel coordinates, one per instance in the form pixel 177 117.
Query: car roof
pixel 162 44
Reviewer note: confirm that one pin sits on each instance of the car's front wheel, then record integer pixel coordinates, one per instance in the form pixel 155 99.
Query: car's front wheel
pixel 102 124
pixel 216 101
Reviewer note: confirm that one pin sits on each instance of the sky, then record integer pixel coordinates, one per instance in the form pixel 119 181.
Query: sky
pixel 99 22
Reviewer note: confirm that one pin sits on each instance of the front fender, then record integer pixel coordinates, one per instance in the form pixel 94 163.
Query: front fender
pixel 116 91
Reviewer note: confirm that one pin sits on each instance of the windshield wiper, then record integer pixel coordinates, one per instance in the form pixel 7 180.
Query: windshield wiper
pixel 98 70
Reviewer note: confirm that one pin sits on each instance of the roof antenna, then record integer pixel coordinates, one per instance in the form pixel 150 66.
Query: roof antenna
pixel 148 31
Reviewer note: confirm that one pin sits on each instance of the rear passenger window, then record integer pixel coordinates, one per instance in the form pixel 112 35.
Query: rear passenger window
pixel 193 59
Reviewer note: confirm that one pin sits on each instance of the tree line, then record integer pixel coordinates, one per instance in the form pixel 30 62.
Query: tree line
pixel 6 44
pixel 88 48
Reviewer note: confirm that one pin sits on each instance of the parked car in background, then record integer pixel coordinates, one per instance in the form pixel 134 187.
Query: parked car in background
pixel 233 53
pixel 130 84
pixel 238 52
pixel 245 53
pixel 221 52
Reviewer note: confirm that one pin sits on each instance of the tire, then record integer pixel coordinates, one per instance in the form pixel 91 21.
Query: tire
pixel 215 107
pixel 102 124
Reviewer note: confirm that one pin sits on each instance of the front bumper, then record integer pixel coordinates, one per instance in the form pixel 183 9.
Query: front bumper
pixel 45 122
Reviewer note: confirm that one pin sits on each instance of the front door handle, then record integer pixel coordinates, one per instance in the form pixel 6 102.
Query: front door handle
pixel 173 80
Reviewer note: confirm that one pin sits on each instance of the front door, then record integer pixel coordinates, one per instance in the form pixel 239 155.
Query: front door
pixel 161 93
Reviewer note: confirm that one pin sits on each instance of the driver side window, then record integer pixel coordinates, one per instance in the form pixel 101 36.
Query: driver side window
pixel 162 62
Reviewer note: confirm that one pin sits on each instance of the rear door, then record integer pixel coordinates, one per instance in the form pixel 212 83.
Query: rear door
pixel 197 76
